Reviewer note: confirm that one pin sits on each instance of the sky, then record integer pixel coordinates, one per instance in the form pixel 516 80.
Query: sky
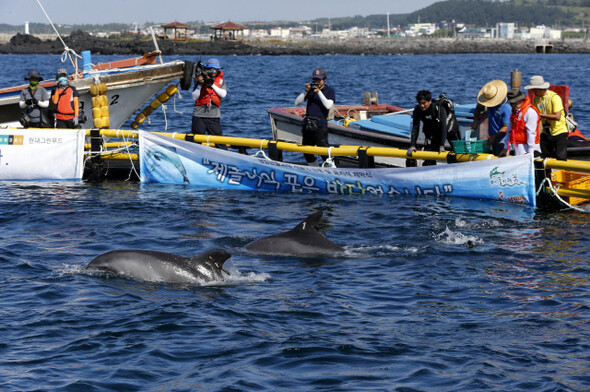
pixel 16 12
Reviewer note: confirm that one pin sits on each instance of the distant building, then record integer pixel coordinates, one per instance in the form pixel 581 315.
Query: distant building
pixel 504 30
pixel 418 29
pixel 228 30
pixel 543 32
pixel 279 32
pixel 179 29
pixel 474 33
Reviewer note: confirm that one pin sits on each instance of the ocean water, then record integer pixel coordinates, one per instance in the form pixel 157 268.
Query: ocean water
pixel 431 294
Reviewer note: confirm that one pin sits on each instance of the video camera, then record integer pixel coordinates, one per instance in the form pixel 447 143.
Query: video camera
pixel 207 73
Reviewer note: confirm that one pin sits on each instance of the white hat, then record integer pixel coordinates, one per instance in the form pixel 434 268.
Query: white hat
pixel 537 82
pixel 493 93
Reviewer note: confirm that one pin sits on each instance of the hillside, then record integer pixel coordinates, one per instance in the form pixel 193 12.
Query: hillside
pixel 523 12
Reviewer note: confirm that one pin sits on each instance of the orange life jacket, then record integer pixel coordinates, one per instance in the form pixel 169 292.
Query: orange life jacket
pixel 518 134
pixel 65 103
pixel 577 134
pixel 209 95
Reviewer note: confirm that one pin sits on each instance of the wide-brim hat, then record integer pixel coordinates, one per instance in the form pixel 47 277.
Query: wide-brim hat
pixel 537 82
pixel 514 95
pixel 493 93
pixel 33 73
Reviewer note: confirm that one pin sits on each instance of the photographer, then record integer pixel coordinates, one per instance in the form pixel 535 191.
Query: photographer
pixel 320 99
pixel 209 91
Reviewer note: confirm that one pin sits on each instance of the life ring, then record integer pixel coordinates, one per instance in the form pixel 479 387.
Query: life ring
pixel 187 76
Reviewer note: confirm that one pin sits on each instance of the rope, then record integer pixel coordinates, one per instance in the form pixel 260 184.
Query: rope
pixel 67 50
pixel 174 102
pixel 330 161
pixel 261 151
pixel 164 107
pixel 130 161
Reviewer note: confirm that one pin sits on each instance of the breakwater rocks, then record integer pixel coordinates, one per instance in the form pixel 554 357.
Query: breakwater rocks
pixel 133 45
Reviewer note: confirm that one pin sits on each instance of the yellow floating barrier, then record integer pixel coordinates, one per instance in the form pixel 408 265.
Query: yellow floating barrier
pixel 579 166
pixel 155 104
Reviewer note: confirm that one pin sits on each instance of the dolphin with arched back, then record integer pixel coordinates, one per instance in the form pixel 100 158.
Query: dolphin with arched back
pixel 303 240
pixel 163 267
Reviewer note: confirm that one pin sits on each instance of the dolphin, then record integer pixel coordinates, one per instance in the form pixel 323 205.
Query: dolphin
pixel 303 240
pixel 163 267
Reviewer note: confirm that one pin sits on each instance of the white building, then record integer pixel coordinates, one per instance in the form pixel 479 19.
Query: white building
pixel 542 32
pixel 422 28
pixel 504 30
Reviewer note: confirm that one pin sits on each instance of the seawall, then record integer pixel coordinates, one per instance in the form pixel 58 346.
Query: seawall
pixel 79 41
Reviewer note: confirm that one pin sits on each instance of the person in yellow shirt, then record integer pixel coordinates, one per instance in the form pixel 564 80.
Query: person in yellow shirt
pixel 554 127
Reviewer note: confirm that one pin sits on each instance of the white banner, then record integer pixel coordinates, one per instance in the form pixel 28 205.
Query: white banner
pixel 172 161
pixel 41 154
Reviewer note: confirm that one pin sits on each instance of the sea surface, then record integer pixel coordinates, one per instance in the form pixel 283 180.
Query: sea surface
pixel 444 294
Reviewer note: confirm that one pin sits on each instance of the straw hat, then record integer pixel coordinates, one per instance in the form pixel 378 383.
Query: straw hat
pixel 492 94
pixel 537 82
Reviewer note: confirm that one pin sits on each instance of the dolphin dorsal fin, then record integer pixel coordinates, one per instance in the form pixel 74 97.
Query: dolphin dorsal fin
pixel 311 222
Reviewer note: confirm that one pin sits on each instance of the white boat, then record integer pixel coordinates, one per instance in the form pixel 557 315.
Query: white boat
pixel 129 84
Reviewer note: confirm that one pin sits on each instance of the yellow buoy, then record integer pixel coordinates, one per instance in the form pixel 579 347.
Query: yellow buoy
pixel 134 125
pixel 97 122
pixel 147 111
pixel 102 88
pixel 140 118
pixel 171 90
pixel 155 104
pixel 104 100
pixel 96 113
pixel 104 111
pixel 94 90
pixel 164 97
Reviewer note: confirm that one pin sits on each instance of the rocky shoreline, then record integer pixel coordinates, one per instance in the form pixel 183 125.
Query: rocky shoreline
pixel 80 41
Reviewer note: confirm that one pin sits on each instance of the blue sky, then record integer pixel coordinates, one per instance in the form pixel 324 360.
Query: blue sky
pixel 16 12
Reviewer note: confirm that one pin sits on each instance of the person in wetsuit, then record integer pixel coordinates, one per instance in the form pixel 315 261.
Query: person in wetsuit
pixel 433 119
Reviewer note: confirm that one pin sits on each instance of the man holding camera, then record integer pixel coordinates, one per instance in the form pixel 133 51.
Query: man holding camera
pixel 320 99
pixel 209 91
